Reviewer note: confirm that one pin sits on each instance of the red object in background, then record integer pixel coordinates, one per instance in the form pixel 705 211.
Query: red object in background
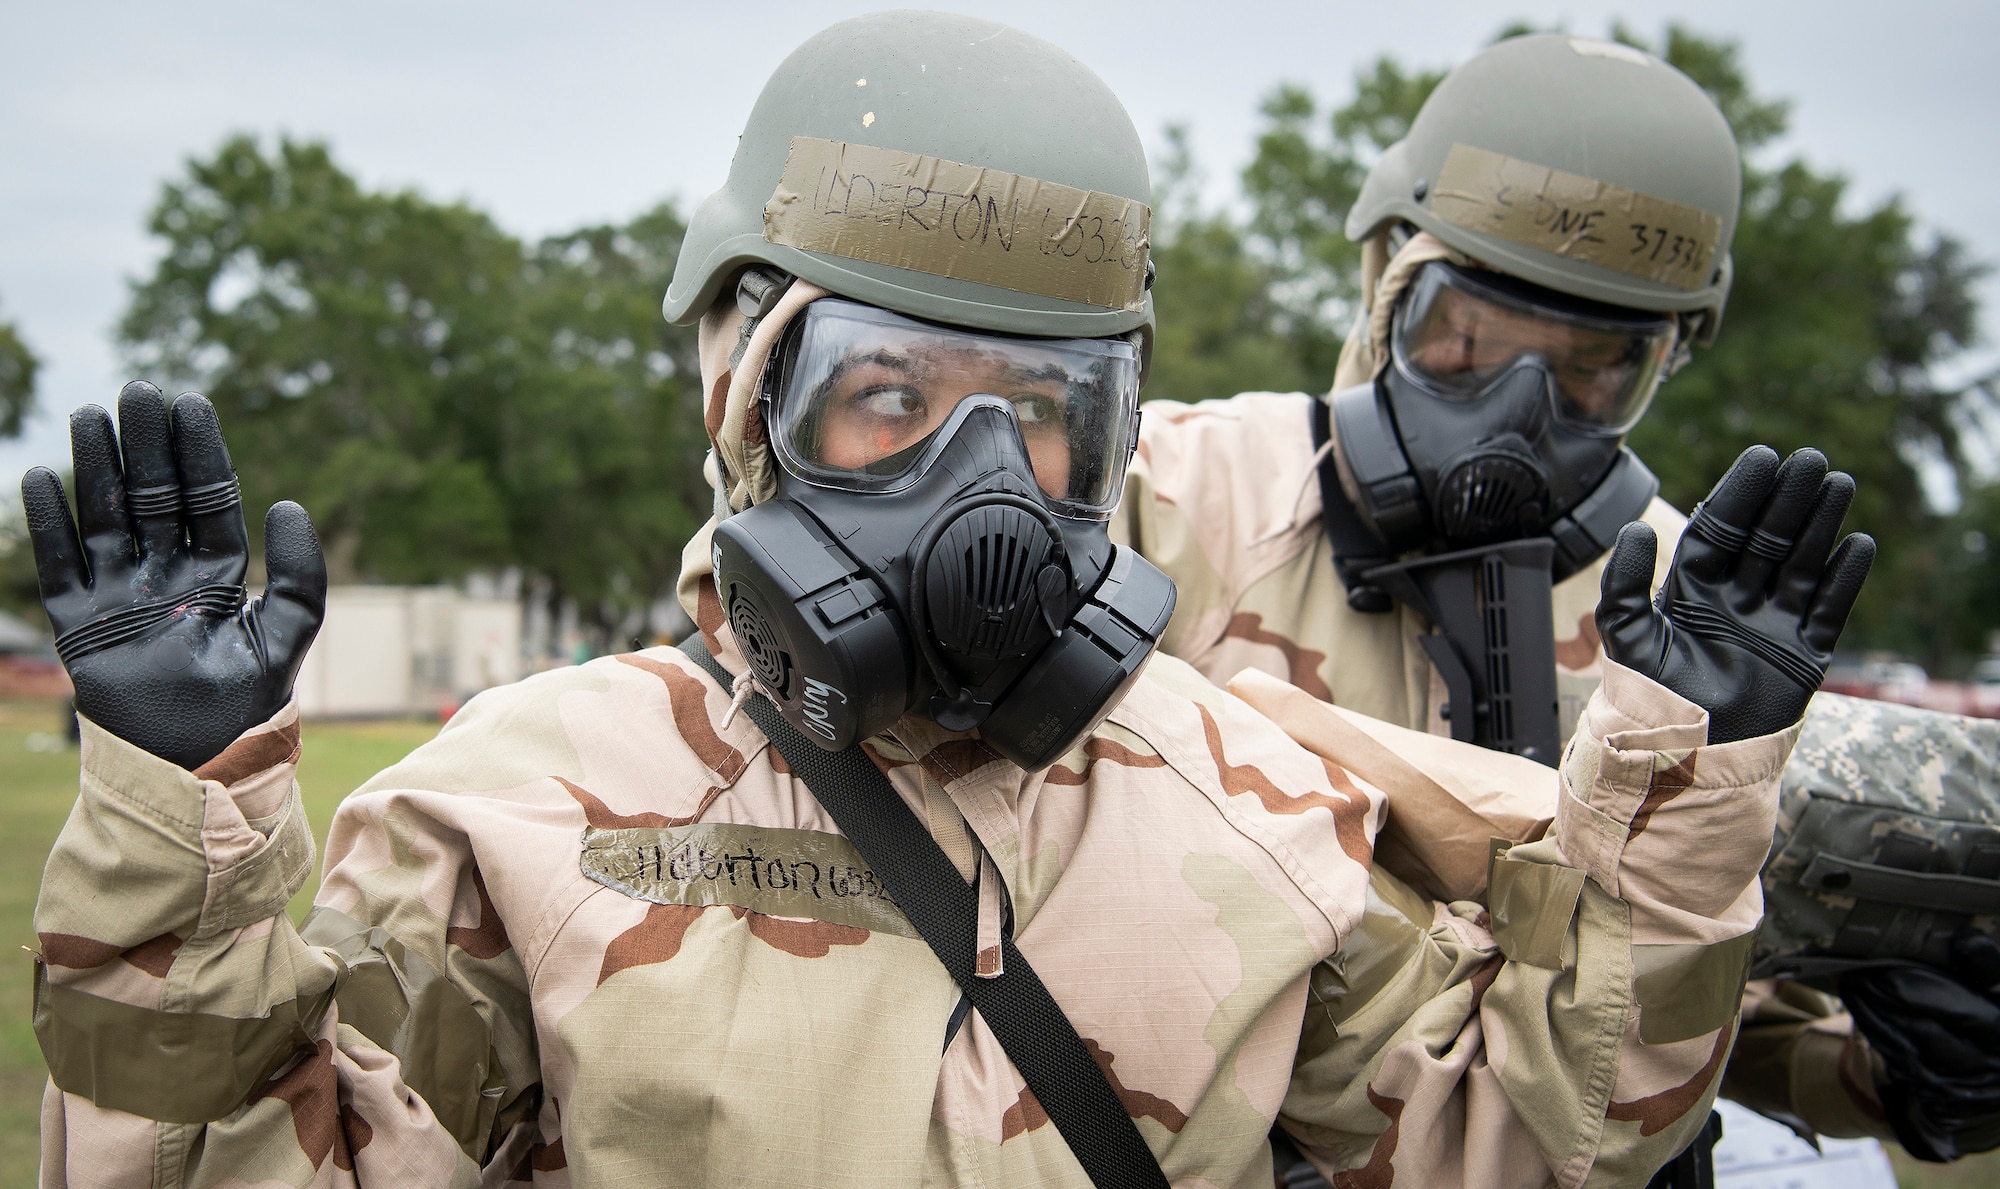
pixel 446 709
pixel 21 677
pixel 1970 698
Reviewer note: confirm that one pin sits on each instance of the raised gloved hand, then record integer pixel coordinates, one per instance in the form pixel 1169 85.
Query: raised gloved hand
pixel 148 604
pixel 1939 1040
pixel 1745 624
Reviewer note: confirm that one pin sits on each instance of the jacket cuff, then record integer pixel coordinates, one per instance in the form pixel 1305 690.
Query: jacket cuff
pixel 240 813
pixel 1659 818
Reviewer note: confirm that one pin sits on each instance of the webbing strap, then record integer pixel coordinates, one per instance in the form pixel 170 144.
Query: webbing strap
pixel 1031 1027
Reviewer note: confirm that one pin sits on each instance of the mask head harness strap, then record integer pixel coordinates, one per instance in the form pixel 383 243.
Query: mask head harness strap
pixel 1355 549
pixel 757 294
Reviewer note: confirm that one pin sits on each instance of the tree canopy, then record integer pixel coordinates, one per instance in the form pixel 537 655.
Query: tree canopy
pixel 18 366
pixel 441 397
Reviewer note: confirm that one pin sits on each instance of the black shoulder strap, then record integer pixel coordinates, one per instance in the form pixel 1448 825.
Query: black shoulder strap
pixel 1025 1018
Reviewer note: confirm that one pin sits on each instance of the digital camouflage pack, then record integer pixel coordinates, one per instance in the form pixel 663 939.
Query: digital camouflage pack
pixel 1888 839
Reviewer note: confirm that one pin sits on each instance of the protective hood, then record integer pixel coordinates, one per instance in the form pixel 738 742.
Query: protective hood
pixel 1383 279
pixel 739 466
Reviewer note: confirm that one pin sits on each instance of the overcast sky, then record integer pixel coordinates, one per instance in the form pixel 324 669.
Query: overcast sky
pixel 549 116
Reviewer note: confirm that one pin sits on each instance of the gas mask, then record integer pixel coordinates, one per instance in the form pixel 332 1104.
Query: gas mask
pixel 1501 416
pixel 1492 448
pixel 938 542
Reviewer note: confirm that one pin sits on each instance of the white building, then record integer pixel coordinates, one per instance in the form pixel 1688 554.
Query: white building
pixel 394 651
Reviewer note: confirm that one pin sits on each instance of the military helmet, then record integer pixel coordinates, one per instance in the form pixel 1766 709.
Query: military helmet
pixel 1588 167
pixel 941 166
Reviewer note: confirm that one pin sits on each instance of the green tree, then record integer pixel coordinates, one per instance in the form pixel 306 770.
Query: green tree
pixel 1303 180
pixel 601 456
pixel 356 344
pixel 1222 328
pixel 1835 331
pixel 18 366
pixel 441 398
pixel 1960 563
pixel 1837 326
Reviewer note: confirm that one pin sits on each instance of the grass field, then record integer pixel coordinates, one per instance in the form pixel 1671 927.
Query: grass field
pixel 37 787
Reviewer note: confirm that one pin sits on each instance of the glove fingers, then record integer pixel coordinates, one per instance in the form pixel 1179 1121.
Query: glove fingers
pixel 100 490
pixel 295 599
pixel 1776 530
pixel 1720 527
pixel 1837 590
pixel 1800 574
pixel 152 489
pixel 59 566
pixel 1626 621
pixel 215 510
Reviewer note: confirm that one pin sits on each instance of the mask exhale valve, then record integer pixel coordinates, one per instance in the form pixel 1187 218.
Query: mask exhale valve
pixel 987 585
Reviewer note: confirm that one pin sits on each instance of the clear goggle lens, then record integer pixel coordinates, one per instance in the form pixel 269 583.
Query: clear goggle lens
pixel 1457 334
pixel 860 396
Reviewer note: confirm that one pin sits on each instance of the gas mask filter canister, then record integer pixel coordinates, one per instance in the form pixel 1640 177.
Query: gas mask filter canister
pixel 938 542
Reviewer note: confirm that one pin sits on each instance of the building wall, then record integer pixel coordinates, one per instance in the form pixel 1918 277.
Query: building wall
pixel 390 651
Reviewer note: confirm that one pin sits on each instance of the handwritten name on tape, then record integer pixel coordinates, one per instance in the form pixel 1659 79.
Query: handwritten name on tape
pixel 1582 218
pixel 961 221
pixel 782 873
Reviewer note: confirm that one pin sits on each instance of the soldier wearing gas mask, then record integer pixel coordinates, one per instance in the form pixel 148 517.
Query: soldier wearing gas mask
pixel 637 921
pixel 1545 247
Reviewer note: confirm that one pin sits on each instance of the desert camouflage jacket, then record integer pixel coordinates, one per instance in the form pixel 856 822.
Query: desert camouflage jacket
pixel 1223 496
pixel 594 935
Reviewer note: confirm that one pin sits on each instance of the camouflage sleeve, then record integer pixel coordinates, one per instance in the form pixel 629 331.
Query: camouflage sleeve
pixel 1799 1060
pixel 1213 498
pixel 194 1036
pixel 1578 1028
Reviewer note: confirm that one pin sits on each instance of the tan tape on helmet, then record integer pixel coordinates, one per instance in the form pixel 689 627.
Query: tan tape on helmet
pixel 961 221
pixel 1577 217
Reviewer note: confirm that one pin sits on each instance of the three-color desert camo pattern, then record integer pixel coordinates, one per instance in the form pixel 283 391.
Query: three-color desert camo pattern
pixel 590 935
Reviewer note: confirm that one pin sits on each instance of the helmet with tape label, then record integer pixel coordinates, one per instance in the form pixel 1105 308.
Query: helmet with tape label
pixel 1584 166
pixel 941 166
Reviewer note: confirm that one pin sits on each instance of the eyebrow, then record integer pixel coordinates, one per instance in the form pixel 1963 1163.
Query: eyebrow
pixel 900 362
pixel 1055 372
pixel 880 357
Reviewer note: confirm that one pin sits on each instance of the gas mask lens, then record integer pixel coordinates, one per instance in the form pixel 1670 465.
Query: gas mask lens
pixel 1458 333
pixel 860 399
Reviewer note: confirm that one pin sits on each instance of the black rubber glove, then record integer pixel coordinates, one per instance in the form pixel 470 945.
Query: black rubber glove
pixel 148 605
pixel 1745 624
pixel 1939 1040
